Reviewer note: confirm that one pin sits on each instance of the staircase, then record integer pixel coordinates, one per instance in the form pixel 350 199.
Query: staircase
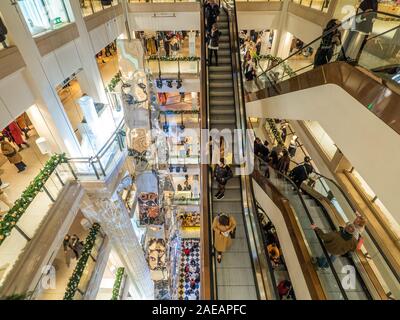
pixel 235 275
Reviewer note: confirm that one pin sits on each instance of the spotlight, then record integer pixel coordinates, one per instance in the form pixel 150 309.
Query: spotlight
pixel 159 83
pixel 169 83
pixel 178 83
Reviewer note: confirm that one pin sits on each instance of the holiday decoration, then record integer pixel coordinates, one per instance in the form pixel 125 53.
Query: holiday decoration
pixel 8 222
pixel 114 81
pixel 169 58
pixel 73 282
pixel 275 131
pixel 117 283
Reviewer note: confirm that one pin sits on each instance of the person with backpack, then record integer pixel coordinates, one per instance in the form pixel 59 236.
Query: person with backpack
pixel 301 172
pixel 222 173
pixel 224 228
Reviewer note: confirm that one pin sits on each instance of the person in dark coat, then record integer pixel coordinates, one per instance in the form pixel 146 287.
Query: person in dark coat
pixel 330 39
pixel 222 173
pixel 260 149
pixel 283 163
pixel 212 13
pixel 213 45
pixel 300 173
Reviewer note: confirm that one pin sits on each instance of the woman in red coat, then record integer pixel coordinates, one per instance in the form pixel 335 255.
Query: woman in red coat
pixel 16 134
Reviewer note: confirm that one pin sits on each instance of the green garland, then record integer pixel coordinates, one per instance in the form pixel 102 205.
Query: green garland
pixel 275 131
pixel 117 283
pixel 80 266
pixel 169 58
pixel 8 222
pixel 114 81
pixel 167 112
pixel 286 68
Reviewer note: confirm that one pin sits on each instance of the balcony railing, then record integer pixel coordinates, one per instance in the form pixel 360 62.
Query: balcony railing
pixel 163 65
pixel 20 224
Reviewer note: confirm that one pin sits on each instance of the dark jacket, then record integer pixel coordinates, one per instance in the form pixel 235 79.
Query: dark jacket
pixel 214 38
pixel 283 164
pixel 301 172
pixel 212 12
pixel 223 174
pixel 337 243
pixel 3 31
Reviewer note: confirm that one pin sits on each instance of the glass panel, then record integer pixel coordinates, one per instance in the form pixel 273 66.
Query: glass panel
pixel 42 16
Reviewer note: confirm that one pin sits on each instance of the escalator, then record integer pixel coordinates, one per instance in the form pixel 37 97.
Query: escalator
pixel 370 76
pixel 371 80
pixel 242 273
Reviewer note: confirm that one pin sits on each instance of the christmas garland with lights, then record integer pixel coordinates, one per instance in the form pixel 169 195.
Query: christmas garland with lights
pixel 275 131
pixel 286 68
pixel 73 282
pixel 117 283
pixel 114 81
pixel 167 112
pixel 169 58
pixel 8 222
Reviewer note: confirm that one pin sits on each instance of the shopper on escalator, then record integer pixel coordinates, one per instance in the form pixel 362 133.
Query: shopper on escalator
pixel 224 228
pixel 301 172
pixel 212 13
pixel 284 162
pixel 222 173
pixel 337 243
pixel 213 45
pixel 331 38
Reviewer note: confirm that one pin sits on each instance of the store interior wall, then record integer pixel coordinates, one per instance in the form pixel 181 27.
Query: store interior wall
pixel 345 120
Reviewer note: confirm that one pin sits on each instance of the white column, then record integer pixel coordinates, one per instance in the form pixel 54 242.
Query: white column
pixel 86 52
pixel 62 137
pixel 284 45
pixel 279 32
pixel 113 217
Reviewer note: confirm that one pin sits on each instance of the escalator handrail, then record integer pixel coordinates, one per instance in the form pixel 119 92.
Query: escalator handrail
pixel 325 34
pixel 326 254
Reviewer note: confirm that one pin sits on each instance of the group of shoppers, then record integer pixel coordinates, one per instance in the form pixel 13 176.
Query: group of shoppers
pixel 250 48
pixel 16 133
pixel 212 12
pixel 73 247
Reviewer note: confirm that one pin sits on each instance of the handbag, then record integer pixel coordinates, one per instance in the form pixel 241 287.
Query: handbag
pixel 360 243
pixel 233 233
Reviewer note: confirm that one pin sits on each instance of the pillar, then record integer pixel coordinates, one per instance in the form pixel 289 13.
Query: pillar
pixel 58 129
pixel 94 86
pixel 113 217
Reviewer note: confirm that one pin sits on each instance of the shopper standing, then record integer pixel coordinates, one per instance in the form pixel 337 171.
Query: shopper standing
pixel 283 163
pixel 213 46
pixel 331 38
pixel 224 227
pixel 12 154
pixel 222 174
pixel 16 134
pixel 212 13
pixel 6 200
pixel 301 172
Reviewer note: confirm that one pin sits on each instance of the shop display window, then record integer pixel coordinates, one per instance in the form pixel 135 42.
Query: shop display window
pixel 44 15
